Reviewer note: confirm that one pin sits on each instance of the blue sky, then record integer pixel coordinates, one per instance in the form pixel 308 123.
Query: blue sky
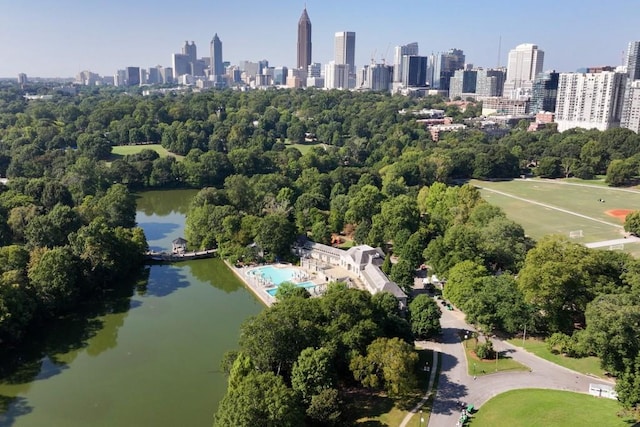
pixel 59 38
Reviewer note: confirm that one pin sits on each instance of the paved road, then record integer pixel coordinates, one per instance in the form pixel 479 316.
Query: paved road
pixel 456 386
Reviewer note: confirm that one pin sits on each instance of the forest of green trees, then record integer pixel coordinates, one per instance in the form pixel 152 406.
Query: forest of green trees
pixel 374 174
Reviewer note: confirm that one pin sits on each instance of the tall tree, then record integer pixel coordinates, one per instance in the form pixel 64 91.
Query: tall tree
pixel 389 364
pixel 424 315
pixel 260 399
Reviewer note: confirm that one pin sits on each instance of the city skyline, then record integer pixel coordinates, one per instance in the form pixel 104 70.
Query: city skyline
pixel 146 34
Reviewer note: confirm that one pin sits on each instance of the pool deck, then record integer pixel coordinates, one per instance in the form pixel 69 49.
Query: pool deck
pixel 259 290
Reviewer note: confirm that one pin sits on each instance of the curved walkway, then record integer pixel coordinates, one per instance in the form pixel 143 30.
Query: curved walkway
pixel 456 385
pixel 427 395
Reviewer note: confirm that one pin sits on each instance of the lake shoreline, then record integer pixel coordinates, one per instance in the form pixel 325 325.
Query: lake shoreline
pixel 259 292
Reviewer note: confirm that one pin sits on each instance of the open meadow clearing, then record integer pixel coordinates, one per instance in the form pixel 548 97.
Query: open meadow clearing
pixel 545 207
pixel 119 151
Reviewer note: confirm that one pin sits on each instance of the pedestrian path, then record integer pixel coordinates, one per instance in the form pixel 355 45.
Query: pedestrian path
pixel 614 242
pixel 432 378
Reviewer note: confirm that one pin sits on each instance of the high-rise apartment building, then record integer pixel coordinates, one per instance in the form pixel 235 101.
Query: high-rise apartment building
pixel 345 49
pixel 633 60
pixel 631 108
pixel 489 82
pixel 442 66
pixel 590 100
pixel 631 104
pixel 463 82
pixel 378 77
pixel 304 40
pixel 544 92
pixel 524 64
pixel 410 49
pixel 336 76
pixel 217 67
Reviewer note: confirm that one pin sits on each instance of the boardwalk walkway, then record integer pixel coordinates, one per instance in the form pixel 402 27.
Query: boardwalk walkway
pixel 181 256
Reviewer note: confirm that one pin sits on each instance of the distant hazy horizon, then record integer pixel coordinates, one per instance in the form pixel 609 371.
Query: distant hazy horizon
pixel 59 39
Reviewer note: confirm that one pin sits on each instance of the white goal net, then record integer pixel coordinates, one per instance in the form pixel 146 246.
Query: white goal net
pixel 575 234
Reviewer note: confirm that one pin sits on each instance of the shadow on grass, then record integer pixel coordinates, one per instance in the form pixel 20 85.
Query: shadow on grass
pixel 365 404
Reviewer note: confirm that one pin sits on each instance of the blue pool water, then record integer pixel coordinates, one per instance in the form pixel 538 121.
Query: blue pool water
pixel 278 275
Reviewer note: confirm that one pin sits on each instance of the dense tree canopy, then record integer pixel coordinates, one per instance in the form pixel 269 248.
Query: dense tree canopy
pixel 374 175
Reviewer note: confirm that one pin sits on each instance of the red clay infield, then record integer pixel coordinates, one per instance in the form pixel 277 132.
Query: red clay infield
pixel 619 213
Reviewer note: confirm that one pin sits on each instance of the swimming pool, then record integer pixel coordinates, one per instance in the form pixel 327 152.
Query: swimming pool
pixel 271 276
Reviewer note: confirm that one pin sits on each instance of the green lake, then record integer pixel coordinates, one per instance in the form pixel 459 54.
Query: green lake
pixel 149 356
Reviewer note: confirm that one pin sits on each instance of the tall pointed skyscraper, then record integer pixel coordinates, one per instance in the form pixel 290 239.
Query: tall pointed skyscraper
pixel 217 69
pixel 304 40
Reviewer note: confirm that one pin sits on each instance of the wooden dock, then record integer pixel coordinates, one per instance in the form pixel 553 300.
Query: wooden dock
pixel 155 256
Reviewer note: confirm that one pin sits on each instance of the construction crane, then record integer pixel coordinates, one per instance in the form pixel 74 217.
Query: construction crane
pixel 384 58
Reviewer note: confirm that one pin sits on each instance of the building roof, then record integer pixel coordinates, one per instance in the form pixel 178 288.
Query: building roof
pixel 362 253
pixel 179 241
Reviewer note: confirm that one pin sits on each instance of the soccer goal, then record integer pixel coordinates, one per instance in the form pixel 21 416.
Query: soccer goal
pixel 575 234
pixel 618 247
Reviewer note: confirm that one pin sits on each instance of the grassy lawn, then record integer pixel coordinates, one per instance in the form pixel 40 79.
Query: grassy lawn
pixel 539 221
pixel 549 408
pixel 377 409
pixel 119 151
pixel 477 366
pixel 585 365
pixel 598 180
pixel 304 148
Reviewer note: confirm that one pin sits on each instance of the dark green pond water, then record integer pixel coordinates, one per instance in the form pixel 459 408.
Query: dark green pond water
pixel 146 357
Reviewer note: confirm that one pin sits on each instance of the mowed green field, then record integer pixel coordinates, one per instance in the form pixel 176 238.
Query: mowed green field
pixel 305 148
pixel 522 199
pixel 119 151
pixel 548 408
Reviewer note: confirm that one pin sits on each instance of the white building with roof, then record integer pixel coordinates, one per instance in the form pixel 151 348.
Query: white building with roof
pixel 363 261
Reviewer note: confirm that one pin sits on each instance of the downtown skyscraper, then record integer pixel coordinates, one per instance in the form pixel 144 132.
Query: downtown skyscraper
pixel 345 49
pixel 524 64
pixel 304 41
pixel 217 68
pixel 410 49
